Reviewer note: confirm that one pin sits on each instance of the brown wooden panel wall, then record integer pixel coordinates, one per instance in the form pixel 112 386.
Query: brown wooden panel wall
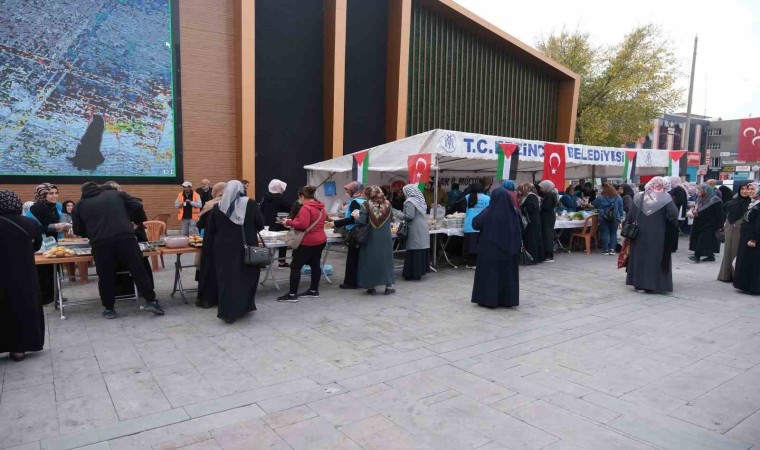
pixel 207 46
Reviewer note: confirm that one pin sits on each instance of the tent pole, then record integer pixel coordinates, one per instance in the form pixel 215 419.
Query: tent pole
pixel 435 214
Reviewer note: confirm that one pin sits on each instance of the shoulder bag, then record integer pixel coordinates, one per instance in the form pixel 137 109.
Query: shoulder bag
pixel 294 237
pixel 631 229
pixel 255 256
pixel 358 235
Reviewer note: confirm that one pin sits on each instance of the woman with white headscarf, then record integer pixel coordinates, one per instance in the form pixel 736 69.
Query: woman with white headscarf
pixel 416 262
pixel 549 201
pixel 708 219
pixel 234 216
pixel 649 263
pixel 272 204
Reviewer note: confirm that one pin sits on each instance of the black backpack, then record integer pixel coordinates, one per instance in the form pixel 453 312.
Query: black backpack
pixel 611 214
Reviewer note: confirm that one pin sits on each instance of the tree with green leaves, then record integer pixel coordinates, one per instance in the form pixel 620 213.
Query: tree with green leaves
pixel 623 86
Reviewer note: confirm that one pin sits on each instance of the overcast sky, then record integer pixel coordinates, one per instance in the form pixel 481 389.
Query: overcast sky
pixel 727 80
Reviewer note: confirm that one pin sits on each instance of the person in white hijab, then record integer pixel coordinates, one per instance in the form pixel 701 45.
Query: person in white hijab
pixel 277 186
pixel 234 202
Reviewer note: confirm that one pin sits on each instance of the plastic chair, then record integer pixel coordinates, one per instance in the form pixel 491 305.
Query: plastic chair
pixel 162 218
pixel 587 233
pixel 155 229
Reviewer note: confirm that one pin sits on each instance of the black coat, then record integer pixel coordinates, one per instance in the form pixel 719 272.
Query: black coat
pixel 548 219
pixel 680 199
pixel 532 235
pixel 703 240
pixel 107 215
pixel 272 204
pixel 22 321
pixel 236 281
pixel 747 272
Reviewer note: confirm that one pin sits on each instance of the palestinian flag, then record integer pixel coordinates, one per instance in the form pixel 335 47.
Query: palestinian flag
pixel 360 169
pixel 504 166
pixel 674 162
pixel 629 170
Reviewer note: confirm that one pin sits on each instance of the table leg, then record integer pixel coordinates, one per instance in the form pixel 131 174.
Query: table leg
pixel 445 253
pixel 57 294
pixel 180 288
pixel 270 270
pixel 324 260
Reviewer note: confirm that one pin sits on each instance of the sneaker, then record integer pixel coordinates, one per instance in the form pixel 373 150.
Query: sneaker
pixel 371 291
pixel 288 298
pixel 549 260
pixel 694 259
pixel 309 294
pixel 709 259
pixel 109 314
pixel 605 253
pixel 470 267
pixel 154 307
pixel 284 265
pixel 389 291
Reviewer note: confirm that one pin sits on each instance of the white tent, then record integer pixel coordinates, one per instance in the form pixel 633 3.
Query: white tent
pixel 474 155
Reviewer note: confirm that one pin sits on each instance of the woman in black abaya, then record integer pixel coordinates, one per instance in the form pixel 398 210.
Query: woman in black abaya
pixel 88 156
pixel 747 272
pixel 208 290
pixel 45 210
pixel 22 322
pixel 232 217
pixel 533 233
pixel 496 276
pixel 708 219
pixel 735 208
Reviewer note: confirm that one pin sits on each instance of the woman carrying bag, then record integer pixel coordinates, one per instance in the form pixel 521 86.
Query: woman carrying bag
pixel 311 221
pixel 416 262
pixel 233 224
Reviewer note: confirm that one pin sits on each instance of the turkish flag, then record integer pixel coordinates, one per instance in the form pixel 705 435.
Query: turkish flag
pixel 419 167
pixel 554 164
pixel 749 140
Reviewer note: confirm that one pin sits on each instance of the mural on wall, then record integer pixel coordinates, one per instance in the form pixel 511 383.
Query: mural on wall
pixel 87 89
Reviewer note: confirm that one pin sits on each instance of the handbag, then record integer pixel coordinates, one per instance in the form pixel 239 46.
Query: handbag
pixel 403 230
pixel 631 230
pixel 294 237
pixel 525 256
pixel 255 256
pixel 357 236
pixel 623 255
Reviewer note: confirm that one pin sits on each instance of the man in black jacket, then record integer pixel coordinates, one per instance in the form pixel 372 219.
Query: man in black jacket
pixel 106 218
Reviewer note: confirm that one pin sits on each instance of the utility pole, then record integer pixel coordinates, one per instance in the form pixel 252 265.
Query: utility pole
pixel 685 139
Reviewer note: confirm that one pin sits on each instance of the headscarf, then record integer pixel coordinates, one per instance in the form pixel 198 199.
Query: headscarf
pixel 277 186
pixel 9 202
pixel 738 206
pixel 234 202
pixel 475 189
pixel 379 208
pixel 655 196
pixel 725 193
pixel 508 185
pixel 710 198
pixel 526 190
pixel 675 181
pixel 27 206
pixel 40 194
pixel 628 190
pixel 756 198
pixel 500 223
pixel 547 186
pixel 216 197
pixel 354 189
pixel 414 196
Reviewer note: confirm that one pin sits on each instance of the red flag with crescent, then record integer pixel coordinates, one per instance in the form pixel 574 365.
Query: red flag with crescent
pixel 554 164
pixel 419 167
pixel 749 140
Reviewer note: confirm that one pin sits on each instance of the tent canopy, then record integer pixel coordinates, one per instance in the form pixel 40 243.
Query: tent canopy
pixel 475 153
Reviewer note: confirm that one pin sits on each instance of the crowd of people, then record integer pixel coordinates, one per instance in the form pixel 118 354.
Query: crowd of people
pixel 501 225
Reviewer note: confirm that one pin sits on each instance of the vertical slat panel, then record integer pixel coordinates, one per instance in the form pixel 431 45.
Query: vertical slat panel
pixel 460 81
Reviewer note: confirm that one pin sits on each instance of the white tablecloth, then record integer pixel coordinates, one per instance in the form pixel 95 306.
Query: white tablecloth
pixel 564 224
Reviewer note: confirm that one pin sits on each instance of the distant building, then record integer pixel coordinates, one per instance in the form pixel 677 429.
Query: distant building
pixel 667 134
pixel 723 139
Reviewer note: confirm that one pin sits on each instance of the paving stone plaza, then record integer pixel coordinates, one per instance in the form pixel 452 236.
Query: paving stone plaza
pixel 584 362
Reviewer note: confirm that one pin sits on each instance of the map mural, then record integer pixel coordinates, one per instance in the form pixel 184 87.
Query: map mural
pixel 86 88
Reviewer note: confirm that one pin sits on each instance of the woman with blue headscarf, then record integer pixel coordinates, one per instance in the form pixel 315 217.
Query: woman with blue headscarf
pixel 234 216
pixel 708 219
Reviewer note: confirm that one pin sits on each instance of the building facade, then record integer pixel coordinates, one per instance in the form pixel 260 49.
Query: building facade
pixel 271 86
pixel 723 138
